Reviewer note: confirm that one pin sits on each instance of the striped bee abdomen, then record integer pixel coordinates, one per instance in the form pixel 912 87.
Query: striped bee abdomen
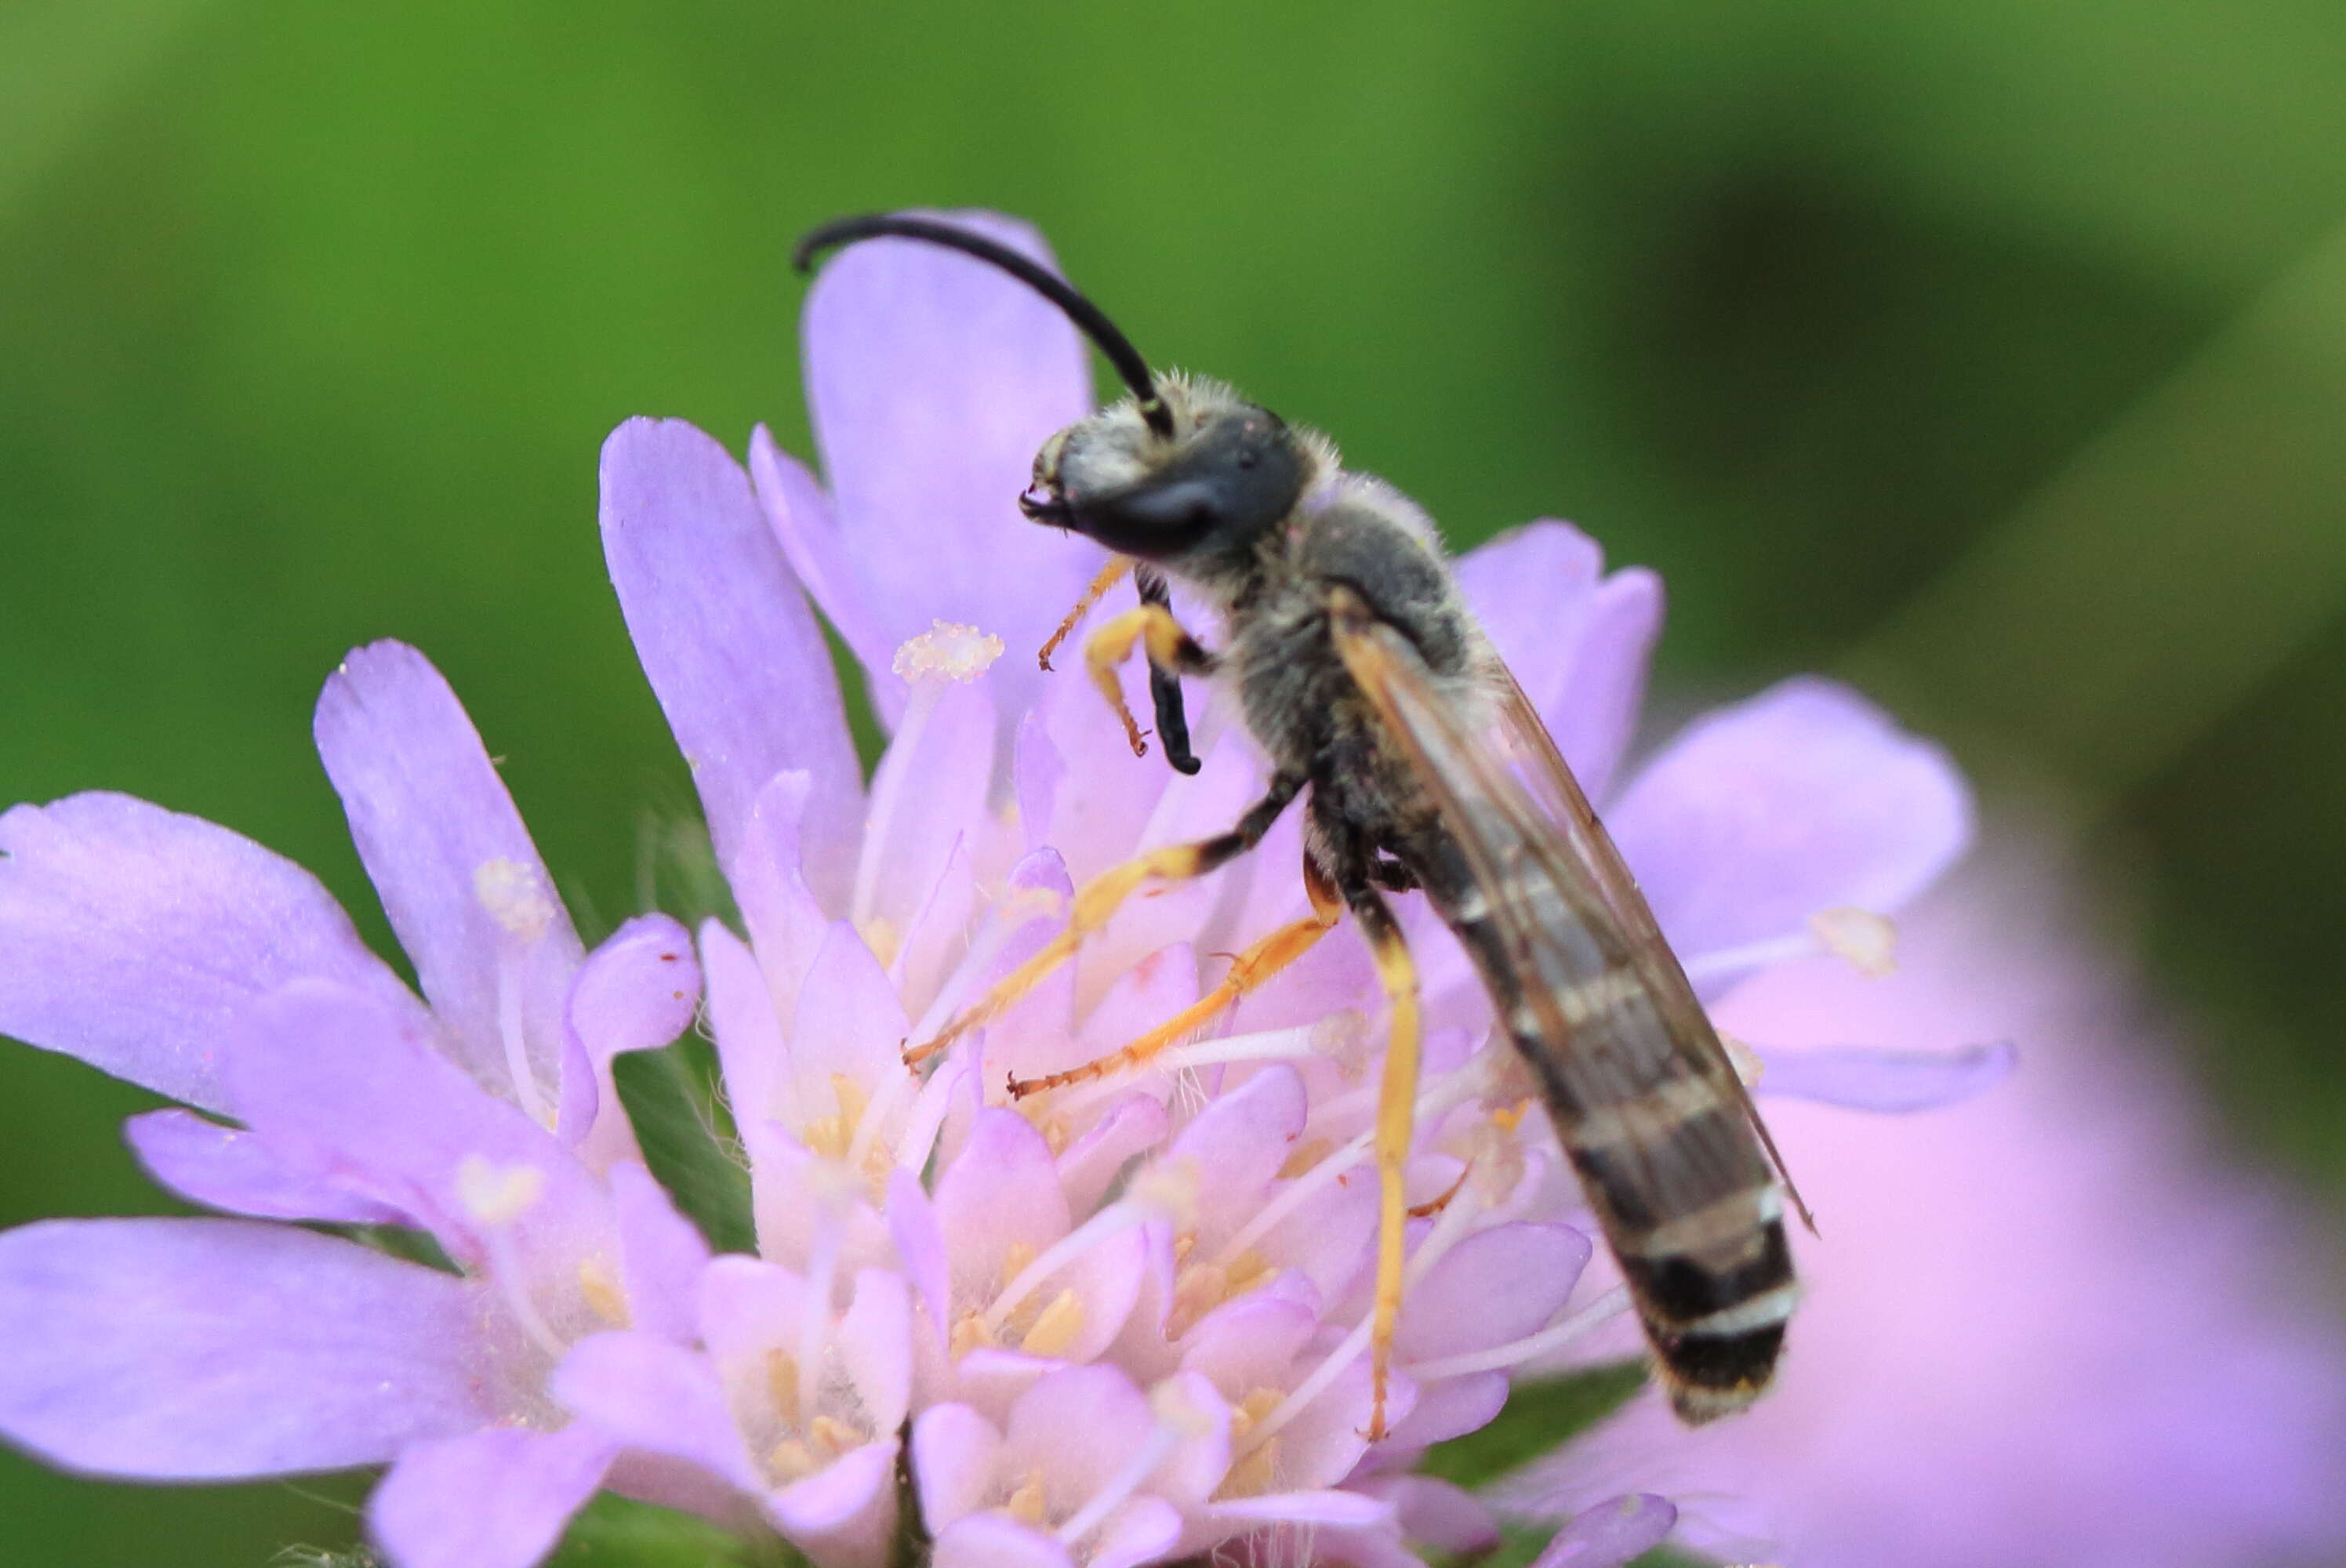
pixel 1666 1155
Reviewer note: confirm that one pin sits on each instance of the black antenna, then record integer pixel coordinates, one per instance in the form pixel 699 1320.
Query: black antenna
pixel 1050 285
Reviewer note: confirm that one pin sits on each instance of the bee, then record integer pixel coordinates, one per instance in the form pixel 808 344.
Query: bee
pixel 1359 669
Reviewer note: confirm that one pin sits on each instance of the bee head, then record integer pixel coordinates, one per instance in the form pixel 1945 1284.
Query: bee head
pixel 1228 470
pixel 1182 468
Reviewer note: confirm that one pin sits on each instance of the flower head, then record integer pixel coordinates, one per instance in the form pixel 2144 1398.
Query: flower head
pixel 1121 1322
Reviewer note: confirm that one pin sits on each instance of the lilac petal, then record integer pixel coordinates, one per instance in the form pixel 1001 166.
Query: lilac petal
pixel 456 869
pixel 928 795
pixel 214 1348
pixel 1497 1285
pixel 1237 1146
pixel 1609 1534
pixel 1453 1407
pixel 1003 1188
pixel 932 379
pixel 785 921
pixel 808 531
pixel 1079 1426
pixel 1036 769
pixel 844 1515
pixel 1325 1443
pixel 654 1395
pixel 1804 798
pixel 1132 1124
pixel 1532 587
pixel 1249 1343
pixel 850 1026
pixel 938 938
pixel 134 934
pixel 1142 1531
pixel 639 989
pixel 875 1343
pixel 339 1087
pixel 1593 717
pixel 953 1454
pixel 742 1016
pixel 1435 1513
pixel 729 646
pixel 229 1168
pixel 1578 644
pixel 748 1309
pixel 661 1255
pixel 1870 1078
pixel 486 1500
pixel 921 1247
pixel 998 1541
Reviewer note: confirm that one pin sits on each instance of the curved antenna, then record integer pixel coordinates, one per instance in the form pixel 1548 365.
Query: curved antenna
pixel 1085 315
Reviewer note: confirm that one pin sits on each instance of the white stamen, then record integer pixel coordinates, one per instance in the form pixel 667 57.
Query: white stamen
pixel 1514 1352
pixel 1865 941
pixel 893 1084
pixel 927 1118
pixel 814 1309
pixel 1747 1063
pixel 1453 1090
pixel 1296 1045
pixel 949 650
pixel 513 1033
pixel 497 1194
pixel 1008 918
pixel 516 896
pixel 1113 1220
pixel 1447 1232
pixel 1162 1440
pixel 887 796
pixel 1720 962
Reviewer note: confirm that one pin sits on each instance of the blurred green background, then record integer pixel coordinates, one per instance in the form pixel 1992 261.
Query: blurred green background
pixel 1992 353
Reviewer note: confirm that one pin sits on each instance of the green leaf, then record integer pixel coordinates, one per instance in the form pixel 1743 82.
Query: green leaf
pixel 616 1532
pixel 1538 1416
pixel 687 1139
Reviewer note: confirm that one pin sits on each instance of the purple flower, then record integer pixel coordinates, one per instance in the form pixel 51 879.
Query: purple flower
pixel 179 956
pixel 1137 1307
pixel 2048 1327
pixel 1118 1323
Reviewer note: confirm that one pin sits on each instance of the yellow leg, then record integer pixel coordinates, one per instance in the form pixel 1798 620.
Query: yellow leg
pixel 1169 648
pixel 1109 576
pixel 1099 899
pixel 1255 965
pixel 1396 1109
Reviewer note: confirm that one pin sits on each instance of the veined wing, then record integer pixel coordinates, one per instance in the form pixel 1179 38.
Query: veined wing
pixel 1573 956
pixel 1561 801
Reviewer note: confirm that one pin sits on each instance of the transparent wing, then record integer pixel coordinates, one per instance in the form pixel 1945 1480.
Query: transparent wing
pixel 1558 894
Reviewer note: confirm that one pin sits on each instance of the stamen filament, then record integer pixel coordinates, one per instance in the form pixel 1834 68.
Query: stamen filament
pixel 814 1311
pixel 506 1266
pixel 887 799
pixel 1447 1232
pixel 1499 1358
pixel 1113 1220
pixel 1121 1486
pixel 1294 1044
pixel 1723 962
pixel 513 1033
pixel 1438 1099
